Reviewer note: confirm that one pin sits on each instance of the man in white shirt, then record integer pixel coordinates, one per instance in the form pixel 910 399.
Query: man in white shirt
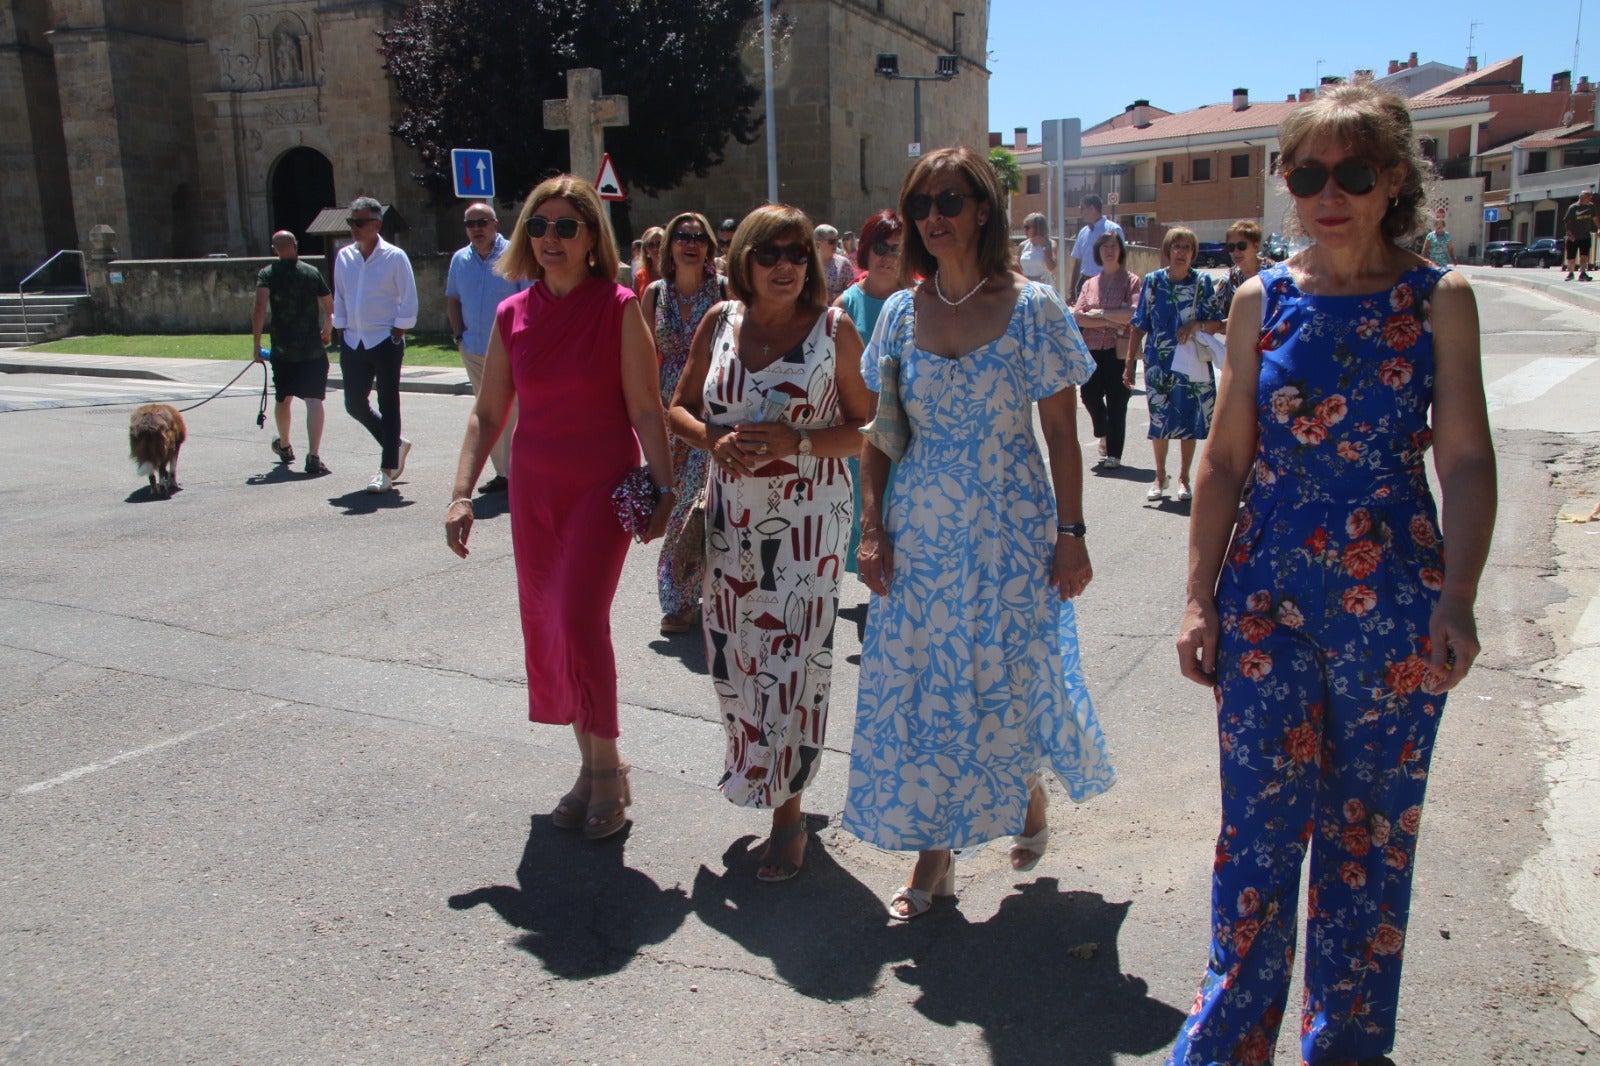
pixel 1095 224
pixel 374 303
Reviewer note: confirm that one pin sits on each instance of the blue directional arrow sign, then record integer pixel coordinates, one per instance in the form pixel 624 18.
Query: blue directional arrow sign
pixel 473 172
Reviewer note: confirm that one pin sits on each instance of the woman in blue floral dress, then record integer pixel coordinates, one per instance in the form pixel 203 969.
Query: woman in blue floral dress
pixel 1323 611
pixel 674 305
pixel 970 677
pixel 1174 302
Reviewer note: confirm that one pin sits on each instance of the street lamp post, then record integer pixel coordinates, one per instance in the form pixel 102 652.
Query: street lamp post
pixel 946 67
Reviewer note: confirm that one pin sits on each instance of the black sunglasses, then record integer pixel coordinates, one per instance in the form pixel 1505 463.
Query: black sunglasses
pixel 357 223
pixel 1354 177
pixel 685 237
pixel 885 248
pixel 1237 246
pixel 566 228
pixel 474 223
pixel 950 204
pixel 768 254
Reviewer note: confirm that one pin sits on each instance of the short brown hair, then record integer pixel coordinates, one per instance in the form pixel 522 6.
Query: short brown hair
pixel 995 254
pixel 667 266
pixel 1374 126
pixel 519 263
pixel 768 223
pixel 1122 246
pixel 1176 234
pixel 1247 228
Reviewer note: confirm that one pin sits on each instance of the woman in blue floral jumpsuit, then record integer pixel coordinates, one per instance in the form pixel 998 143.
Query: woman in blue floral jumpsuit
pixel 1329 623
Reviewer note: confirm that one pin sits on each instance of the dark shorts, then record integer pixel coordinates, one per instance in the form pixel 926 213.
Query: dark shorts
pixel 1578 247
pixel 305 378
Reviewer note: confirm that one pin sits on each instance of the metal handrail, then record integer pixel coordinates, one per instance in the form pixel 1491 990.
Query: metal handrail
pixel 22 296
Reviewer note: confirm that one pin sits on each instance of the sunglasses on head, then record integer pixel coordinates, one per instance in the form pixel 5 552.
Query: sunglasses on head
pixel 768 254
pixel 884 248
pixel 685 237
pixel 950 204
pixel 357 223
pixel 566 228
pixel 1237 246
pixel 1353 176
pixel 475 223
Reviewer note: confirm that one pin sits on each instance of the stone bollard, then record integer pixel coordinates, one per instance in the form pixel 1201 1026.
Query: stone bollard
pixel 97 275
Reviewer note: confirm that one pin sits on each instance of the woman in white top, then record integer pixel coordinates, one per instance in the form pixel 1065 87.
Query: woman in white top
pixel 1036 258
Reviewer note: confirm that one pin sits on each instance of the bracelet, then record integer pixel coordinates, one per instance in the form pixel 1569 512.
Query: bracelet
pixel 666 490
pixel 460 499
pixel 1071 529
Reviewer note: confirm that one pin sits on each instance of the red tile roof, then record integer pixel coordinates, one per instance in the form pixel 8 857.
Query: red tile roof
pixel 1222 118
pixel 1506 69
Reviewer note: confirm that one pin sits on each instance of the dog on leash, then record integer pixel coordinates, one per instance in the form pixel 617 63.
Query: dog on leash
pixel 155 433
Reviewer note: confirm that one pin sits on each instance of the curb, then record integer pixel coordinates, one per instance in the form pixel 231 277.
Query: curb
pixel 335 380
pixel 1573 298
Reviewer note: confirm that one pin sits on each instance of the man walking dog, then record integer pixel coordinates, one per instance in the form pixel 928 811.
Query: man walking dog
pixel 302 313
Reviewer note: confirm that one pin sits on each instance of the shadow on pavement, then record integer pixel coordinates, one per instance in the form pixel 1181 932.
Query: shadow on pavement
pixel 823 930
pixel 688 648
pixel 1022 976
pixel 145 494
pixel 856 616
pixel 280 473
pixel 361 502
pixel 490 505
pixel 585 912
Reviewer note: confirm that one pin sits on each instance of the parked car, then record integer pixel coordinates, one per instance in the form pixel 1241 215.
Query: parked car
pixel 1544 252
pixel 1212 254
pixel 1499 253
pixel 1277 248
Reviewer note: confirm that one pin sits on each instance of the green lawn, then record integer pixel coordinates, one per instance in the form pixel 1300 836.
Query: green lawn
pixel 422 349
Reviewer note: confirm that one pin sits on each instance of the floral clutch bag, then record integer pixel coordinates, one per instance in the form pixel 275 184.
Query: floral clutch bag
pixel 634 500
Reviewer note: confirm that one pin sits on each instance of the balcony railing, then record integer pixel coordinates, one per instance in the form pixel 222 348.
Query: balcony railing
pixel 1568 181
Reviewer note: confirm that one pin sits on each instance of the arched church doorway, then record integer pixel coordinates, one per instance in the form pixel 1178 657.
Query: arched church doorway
pixel 302 185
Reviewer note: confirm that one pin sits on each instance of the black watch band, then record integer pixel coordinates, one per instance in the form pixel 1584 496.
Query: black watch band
pixel 1072 529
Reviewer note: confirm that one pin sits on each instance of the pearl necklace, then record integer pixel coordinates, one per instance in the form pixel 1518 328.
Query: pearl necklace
pixel 956 303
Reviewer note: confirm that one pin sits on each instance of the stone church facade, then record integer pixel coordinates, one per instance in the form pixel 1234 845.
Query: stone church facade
pixel 197 127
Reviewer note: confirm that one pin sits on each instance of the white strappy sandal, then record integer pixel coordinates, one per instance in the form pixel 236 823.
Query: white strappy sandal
pixel 919 901
pixel 1031 849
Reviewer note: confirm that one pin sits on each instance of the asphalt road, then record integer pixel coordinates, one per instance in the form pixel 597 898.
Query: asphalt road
pixel 268 792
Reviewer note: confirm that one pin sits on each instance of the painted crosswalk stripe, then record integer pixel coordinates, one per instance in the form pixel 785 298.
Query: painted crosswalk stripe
pixel 1531 381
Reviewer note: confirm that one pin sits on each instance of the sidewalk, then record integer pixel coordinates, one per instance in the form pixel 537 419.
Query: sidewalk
pixel 1551 282
pixel 444 380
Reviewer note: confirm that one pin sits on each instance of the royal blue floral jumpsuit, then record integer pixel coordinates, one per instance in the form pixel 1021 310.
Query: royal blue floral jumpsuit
pixel 1325 717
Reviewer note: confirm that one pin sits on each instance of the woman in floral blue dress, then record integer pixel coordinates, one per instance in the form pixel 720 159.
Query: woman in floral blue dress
pixel 1174 302
pixel 674 305
pixel 970 677
pixel 1323 611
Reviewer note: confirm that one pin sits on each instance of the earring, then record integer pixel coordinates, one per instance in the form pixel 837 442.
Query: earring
pixel 1394 201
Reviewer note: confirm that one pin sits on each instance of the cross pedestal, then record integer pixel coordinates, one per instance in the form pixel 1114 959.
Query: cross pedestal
pixel 585 114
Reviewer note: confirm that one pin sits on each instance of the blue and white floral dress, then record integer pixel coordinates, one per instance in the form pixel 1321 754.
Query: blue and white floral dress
pixel 970 676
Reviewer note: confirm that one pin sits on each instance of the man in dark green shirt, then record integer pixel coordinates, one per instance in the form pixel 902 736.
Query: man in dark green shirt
pixel 302 326
pixel 1580 222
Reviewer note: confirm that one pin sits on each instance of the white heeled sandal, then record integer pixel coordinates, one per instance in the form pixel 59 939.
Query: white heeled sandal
pixel 1031 849
pixel 919 901
pixel 1159 490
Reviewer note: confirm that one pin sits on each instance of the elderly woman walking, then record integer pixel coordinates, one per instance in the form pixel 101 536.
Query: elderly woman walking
pixel 773 392
pixel 1174 302
pixel 1104 309
pixel 673 307
pixel 1324 613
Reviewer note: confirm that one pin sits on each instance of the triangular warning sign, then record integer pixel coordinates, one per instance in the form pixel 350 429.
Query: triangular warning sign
pixel 607 182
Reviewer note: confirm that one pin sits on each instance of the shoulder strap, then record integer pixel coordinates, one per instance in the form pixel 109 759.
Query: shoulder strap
pixel 833 321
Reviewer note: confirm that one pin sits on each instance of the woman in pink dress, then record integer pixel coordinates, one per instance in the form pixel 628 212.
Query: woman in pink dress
pixel 575 353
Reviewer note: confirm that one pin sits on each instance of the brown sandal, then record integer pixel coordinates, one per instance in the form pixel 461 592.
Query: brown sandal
pixel 572 808
pixel 608 818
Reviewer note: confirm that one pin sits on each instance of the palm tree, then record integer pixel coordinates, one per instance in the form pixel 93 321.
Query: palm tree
pixel 1006 171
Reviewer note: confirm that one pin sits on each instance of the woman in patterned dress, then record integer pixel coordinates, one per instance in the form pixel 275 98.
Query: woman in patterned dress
pixel 1243 244
pixel 1323 612
pixel 773 392
pixel 970 678
pixel 674 306
pixel 1174 302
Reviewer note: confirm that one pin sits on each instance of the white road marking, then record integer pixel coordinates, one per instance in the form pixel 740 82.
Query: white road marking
pixel 1532 381
pixel 106 764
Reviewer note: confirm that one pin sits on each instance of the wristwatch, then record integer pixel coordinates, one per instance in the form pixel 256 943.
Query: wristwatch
pixel 805 443
pixel 1072 529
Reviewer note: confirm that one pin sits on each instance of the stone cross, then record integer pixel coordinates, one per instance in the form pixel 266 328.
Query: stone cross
pixel 584 114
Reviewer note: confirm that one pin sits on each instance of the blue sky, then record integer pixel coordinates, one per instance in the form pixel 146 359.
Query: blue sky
pixel 1181 55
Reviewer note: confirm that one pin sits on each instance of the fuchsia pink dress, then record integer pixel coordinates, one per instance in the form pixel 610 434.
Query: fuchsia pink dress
pixel 572 444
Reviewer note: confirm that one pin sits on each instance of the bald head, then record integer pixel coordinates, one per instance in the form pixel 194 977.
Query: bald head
pixel 285 245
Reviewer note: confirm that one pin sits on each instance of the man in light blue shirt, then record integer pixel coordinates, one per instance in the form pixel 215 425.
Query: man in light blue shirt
pixel 1095 224
pixel 374 303
pixel 473 292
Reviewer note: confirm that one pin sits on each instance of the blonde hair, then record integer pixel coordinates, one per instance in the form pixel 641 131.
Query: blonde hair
pixel 667 265
pixel 1173 236
pixel 519 263
pixel 768 223
pixel 1246 228
pixel 1373 126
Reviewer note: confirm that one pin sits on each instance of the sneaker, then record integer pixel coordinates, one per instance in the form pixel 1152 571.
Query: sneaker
pixel 1111 462
pixel 497 483
pixel 381 482
pixel 1569 275
pixel 283 451
pixel 1184 495
pixel 1156 491
pixel 1584 276
pixel 315 465
pixel 405 450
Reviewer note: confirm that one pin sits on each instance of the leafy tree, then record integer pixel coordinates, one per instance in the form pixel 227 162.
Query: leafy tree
pixel 1006 172
pixel 476 73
